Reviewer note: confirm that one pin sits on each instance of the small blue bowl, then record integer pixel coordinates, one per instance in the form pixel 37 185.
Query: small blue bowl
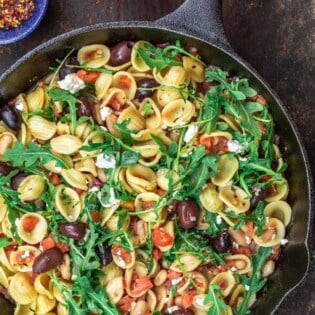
pixel 27 27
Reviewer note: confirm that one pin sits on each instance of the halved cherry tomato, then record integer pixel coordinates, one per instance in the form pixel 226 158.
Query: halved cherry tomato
pixel 121 252
pixel 214 144
pixel 88 76
pixel 262 127
pixel 125 81
pixel 230 263
pixel 147 205
pixel 54 178
pixel 157 254
pixel 141 284
pixel 188 299
pixel 172 274
pixel 114 104
pixel 48 243
pixel 95 216
pixel 241 250
pixel 124 304
pixel 161 238
pixel 29 223
pixel 63 247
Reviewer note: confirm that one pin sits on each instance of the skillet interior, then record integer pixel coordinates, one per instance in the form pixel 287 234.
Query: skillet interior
pixel 295 264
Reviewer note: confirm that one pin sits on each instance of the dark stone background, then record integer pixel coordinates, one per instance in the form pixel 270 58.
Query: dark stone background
pixel 274 36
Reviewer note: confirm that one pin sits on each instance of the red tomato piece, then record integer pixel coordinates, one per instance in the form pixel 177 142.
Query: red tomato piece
pixel 141 284
pixel 124 304
pixel 29 223
pixel 161 238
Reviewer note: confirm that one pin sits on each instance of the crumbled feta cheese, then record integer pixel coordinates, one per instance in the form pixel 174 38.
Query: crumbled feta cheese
pixel 248 240
pixel 104 112
pixel 176 281
pixel 192 130
pixel 243 159
pixel 58 168
pixel 74 277
pixel 94 188
pixel 111 201
pixel 247 287
pixel 26 254
pixel 19 106
pixel 235 245
pixel 233 269
pixel 71 83
pixel 218 219
pixel 172 309
pixel 199 300
pixel 104 128
pixel 193 219
pixel 284 241
pixel 17 221
pixel 234 146
pixel 105 161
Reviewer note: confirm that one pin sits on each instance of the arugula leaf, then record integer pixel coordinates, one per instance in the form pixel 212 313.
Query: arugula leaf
pixel 4 242
pixel 247 121
pixel 254 283
pixel 125 132
pixel 129 158
pixel 61 95
pixel 148 110
pixel 32 154
pixel 216 299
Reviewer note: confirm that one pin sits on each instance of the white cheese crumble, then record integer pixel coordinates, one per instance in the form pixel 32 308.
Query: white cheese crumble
pixel 173 309
pixel 74 277
pixel 218 219
pixel 191 132
pixel 234 146
pixel 71 83
pixel 105 112
pixel 111 201
pixel 248 240
pixel 243 159
pixel 58 168
pixel 199 301
pixel 94 188
pixel 176 281
pixel 284 241
pixel 19 106
pixel 233 269
pixel 26 254
pixel 105 161
pixel 247 287
pixel 235 245
pixel 104 128
pixel 17 221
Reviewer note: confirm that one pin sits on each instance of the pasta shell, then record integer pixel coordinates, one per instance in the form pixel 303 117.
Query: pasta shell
pixel 136 119
pixel 282 191
pixel 120 262
pixel 51 165
pixel 94 56
pixel 74 178
pixel 21 288
pixel 107 213
pixel 3 208
pixel 194 69
pixel 230 121
pixel 21 105
pixel 93 137
pixel 125 81
pixel 112 223
pixel 62 309
pixel 145 201
pixel 151 300
pixel 41 128
pixel 6 142
pixel 23 310
pixel 24 135
pixel 44 304
pixel 43 285
pixel 177 113
pixel 163 178
pixel 241 262
pixel 115 289
pixel 167 95
pixel 37 233
pixel 63 128
pixel 23 257
pixel 176 76
pixel 140 178
pixel 36 99
pixel 65 144
pixel 136 62
pixel 237 295
pixel 227 167
pixel 68 203
pixel 5 261
pixel 226 281
pixel 110 272
pixel 280 210
pixel 210 200
pixel 4 277
pixel 154 120
pixel 235 198
pixel 102 84
pixel 273 233
pixel 139 269
pixel 200 306
pixel 187 262
pixel 86 166
pixel 31 188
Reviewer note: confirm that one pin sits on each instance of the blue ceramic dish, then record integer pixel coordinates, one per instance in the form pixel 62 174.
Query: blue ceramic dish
pixel 27 27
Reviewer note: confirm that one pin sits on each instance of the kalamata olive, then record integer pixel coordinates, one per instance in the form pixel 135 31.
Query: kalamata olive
pixel 104 253
pixel 85 108
pixel 206 86
pixel 64 71
pixel 11 117
pixel 258 194
pixel 222 243
pixel 188 213
pixel 145 83
pixel 75 231
pixel 179 311
pixel 5 169
pixel 17 180
pixel 120 53
pixel 47 260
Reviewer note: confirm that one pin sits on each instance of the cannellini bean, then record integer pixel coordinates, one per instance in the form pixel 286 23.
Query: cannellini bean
pixel 141 308
pixel 161 277
pixel 5 143
pixel 238 236
pixel 178 301
pixel 65 267
pixel 268 268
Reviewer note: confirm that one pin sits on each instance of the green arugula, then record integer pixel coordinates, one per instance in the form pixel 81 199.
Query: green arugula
pixel 4 242
pixel 148 110
pixel 61 95
pixel 215 298
pixel 20 155
pixel 254 283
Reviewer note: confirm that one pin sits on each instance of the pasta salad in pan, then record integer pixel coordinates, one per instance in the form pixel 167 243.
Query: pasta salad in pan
pixel 139 180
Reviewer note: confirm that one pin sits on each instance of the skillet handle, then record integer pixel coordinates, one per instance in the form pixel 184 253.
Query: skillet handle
pixel 199 18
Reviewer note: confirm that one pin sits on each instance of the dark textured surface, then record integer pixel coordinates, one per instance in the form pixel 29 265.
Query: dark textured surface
pixel 274 36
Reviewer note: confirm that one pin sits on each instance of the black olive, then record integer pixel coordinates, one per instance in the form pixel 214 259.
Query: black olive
pixel 258 194
pixel 11 117
pixel 180 311
pixel 188 213
pixel 47 260
pixel 85 108
pixel 104 253
pixel 75 231
pixel 64 70
pixel 120 53
pixel 145 83
pixel 5 169
pixel 17 180
pixel 222 243
pixel 206 86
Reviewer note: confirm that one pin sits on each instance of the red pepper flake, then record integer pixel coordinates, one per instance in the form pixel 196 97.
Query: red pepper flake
pixel 14 12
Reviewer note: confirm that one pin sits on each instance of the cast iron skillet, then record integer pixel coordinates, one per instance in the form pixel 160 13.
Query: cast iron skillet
pixel 197 23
